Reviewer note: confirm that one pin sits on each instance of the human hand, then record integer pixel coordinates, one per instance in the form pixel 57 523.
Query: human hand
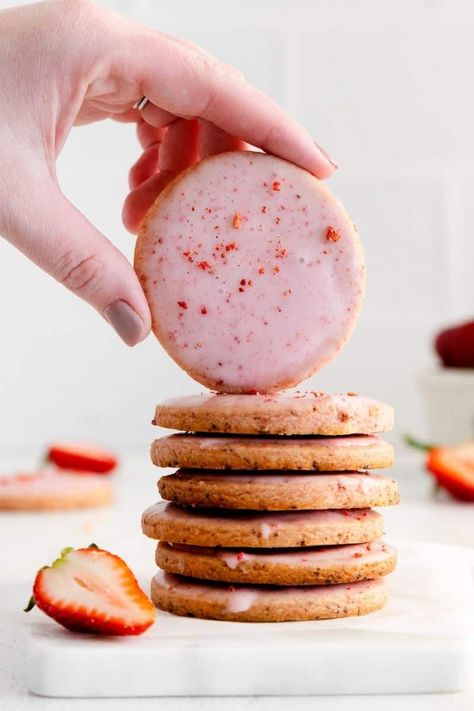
pixel 69 62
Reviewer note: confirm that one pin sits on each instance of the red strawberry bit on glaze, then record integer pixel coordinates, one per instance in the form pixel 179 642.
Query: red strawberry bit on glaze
pixel 82 458
pixel 276 186
pixel 237 221
pixel 182 304
pixel 94 591
pixel 203 310
pixel 332 235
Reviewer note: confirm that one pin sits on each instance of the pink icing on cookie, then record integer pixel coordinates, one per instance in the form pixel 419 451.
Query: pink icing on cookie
pixel 48 481
pixel 361 482
pixel 270 520
pixel 210 441
pixel 240 598
pixel 324 557
pixel 250 287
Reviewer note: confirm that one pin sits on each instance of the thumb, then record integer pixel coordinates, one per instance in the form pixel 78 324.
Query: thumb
pixel 57 237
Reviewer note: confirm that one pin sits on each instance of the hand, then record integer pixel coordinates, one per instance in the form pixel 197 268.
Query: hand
pixel 68 62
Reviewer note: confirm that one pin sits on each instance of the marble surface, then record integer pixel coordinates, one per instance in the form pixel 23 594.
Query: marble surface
pixel 35 538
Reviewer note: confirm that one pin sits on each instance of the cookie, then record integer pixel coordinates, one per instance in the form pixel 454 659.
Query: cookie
pixel 288 566
pixel 278 491
pixel 49 489
pixel 345 453
pixel 244 603
pixel 253 272
pixel 308 413
pixel 269 529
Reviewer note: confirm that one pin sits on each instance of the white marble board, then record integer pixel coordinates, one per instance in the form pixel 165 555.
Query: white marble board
pixel 417 644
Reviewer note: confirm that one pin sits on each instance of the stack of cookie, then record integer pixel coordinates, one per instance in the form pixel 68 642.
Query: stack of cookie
pixel 270 513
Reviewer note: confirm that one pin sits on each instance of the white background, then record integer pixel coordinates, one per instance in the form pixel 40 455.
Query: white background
pixel 387 87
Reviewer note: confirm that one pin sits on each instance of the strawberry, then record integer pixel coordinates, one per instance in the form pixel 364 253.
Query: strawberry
pixel 452 467
pixel 92 590
pixel 81 458
pixel 455 346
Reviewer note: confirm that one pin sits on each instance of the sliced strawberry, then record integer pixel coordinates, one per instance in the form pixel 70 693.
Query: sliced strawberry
pixel 453 469
pixel 92 590
pixel 81 458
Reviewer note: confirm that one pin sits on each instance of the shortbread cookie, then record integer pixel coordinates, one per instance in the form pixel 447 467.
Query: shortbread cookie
pixel 253 271
pixel 244 603
pixel 309 413
pixel 278 491
pixel 345 453
pixel 288 566
pixel 49 489
pixel 269 529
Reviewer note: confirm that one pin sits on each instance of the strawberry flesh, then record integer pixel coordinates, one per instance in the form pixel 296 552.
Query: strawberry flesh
pixel 81 458
pixel 92 590
pixel 453 469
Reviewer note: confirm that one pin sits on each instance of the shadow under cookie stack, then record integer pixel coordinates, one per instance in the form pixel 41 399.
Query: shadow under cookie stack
pixel 269 516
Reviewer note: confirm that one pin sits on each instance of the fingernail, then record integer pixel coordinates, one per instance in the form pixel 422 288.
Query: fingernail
pixel 325 154
pixel 125 320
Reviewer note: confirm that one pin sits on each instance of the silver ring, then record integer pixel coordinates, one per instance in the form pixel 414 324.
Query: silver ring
pixel 141 103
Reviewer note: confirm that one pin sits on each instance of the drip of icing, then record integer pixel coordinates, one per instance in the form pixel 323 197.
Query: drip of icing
pixel 241 600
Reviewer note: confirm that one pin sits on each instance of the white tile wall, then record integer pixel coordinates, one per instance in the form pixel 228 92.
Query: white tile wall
pixel 387 86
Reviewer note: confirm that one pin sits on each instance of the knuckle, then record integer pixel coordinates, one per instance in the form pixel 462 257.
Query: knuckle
pixel 81 275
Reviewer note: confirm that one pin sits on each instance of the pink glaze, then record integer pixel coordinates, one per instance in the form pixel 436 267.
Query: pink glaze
pixel 321 484
pixel 240 598
pixel 212 442
pixel 267 520
pixel 356 554
pixel 325 482
pixel 253 271
pixel 291 405
pixel 48 481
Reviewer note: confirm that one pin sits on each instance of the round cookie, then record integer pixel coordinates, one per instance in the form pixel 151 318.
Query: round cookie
pixel 269 529
pixel 278 491
pixel 344 453
pixel 291 566
pixel 308 413
pixel 245 603
pixel 49 489
pixel 253 271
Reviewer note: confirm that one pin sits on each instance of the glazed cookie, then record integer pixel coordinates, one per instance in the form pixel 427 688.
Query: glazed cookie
pixel 309 413
pixel 245 603
pixel 345 453
pixel 288 566
pixel 49 489
pixel 278 491
pixel 269 529
pixel 253 271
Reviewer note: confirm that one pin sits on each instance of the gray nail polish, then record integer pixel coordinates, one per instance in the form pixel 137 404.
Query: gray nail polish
pixel 325 154
pixel 125 320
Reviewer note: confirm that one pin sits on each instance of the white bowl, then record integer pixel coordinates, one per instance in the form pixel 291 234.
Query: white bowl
pixel 448 395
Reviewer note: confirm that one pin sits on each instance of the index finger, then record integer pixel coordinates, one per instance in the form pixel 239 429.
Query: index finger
pixel 191 84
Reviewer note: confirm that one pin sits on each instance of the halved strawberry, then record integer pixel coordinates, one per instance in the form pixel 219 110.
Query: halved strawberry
pixel 81 458
pixel 92 590
pixel 455 346
pixel 453 469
